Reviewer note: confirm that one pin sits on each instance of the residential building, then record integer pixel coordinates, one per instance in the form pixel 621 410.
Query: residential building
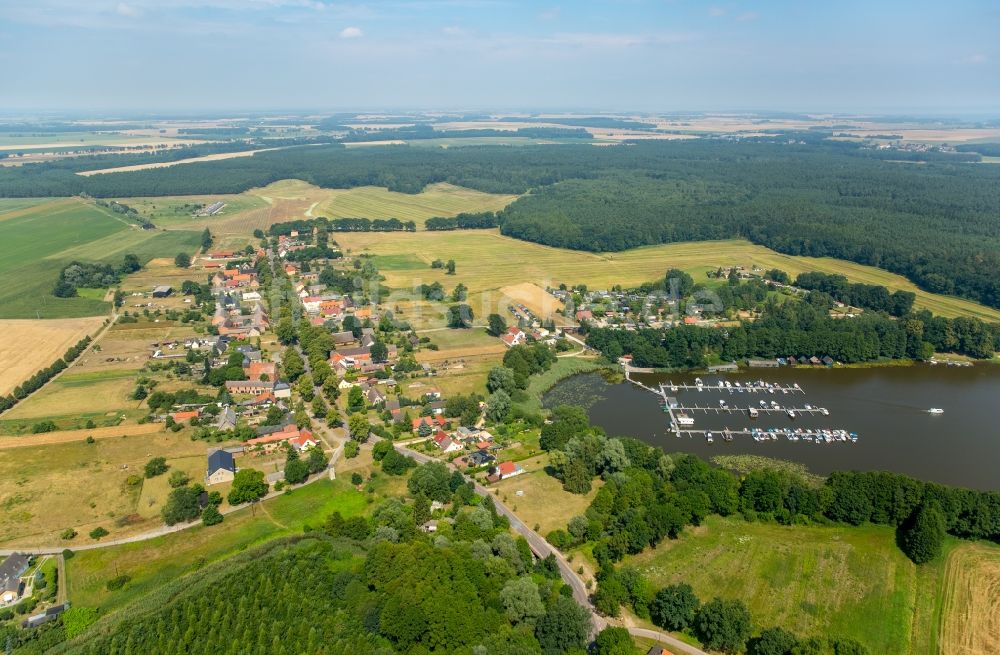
pixel 221 467
pixel 10 577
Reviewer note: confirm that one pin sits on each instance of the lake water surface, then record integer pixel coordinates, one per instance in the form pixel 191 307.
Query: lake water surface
pixel 885 406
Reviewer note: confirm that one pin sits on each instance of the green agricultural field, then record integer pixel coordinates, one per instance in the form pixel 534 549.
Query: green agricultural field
pixel 154 562
pixel 30 259
pixel 487 262
pixel 9 206
pixel 850 581
pixel 39 239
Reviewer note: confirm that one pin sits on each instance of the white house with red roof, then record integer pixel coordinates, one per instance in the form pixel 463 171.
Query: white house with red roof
pixel 514 336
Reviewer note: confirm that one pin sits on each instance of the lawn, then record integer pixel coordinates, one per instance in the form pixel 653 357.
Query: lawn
pixel 156 561
pixel 850 581
pixel 488 262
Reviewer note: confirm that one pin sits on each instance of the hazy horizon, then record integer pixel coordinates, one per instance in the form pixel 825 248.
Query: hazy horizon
pixel 162 56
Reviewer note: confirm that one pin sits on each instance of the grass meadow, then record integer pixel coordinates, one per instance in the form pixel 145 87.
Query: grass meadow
pixel 44 490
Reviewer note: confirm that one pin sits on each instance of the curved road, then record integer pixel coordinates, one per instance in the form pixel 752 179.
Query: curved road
pixel 542 549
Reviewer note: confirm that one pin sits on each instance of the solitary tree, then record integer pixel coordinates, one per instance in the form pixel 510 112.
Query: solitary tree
pixel 497 324
pixel 156 466
pixel 359 427
pixel 460 316
pixel 182 260
pixel 450 267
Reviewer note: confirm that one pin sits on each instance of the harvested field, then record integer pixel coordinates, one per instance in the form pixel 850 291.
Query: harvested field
pixel 29 345
pixel 970 617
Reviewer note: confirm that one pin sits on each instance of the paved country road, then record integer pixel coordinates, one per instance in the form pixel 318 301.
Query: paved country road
pixel 542 549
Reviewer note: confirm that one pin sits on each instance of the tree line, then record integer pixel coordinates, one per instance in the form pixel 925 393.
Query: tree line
pixel 464 221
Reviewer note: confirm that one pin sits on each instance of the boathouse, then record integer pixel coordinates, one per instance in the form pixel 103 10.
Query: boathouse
pixel 762 363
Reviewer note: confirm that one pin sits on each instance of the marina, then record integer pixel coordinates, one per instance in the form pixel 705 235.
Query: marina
pixel 681 421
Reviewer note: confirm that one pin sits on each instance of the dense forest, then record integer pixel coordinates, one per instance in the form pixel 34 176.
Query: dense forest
pixel 938 224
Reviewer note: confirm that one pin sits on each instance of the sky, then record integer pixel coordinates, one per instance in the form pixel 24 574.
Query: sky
pixel 889 56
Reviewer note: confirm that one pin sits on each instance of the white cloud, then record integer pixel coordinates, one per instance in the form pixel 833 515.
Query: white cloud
pixel 748 17
pixel 454 30
pixel 351 33
pixel 550 14
pixel 716 12
pixel 126 10
pixel 978 58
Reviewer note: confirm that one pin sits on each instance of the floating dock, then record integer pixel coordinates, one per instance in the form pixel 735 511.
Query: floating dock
pixel 712 409
pixel 682 413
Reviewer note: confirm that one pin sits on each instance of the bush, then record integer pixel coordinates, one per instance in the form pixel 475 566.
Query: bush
pixel 351 449
pixel 211 515
pixel 68 533
pixel 559 538
pixel 98 532
pixel 117 582
pixel 178 479
pixel 43 426
pixel 356 478
pixel 156 466
pixel 67 553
